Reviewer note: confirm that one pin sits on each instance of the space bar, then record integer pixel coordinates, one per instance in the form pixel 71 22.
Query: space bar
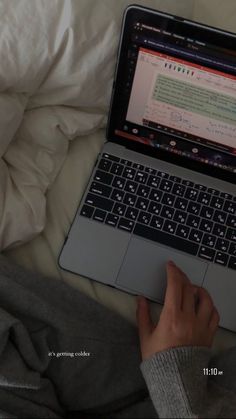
pixel 166 239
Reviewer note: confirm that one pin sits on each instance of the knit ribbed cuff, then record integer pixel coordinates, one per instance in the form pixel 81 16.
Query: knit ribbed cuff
pixel 176 380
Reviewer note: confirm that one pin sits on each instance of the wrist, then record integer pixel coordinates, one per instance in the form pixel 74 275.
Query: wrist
pixel 173 373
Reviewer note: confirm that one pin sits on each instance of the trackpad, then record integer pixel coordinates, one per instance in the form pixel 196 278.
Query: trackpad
pixel 144 268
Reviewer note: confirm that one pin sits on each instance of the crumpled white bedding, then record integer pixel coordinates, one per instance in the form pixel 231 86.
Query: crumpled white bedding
pixel 57 61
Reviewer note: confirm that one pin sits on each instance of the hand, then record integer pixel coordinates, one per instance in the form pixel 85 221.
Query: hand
pixel 188 317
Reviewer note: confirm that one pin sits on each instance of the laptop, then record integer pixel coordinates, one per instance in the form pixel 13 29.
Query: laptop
pixel 163 186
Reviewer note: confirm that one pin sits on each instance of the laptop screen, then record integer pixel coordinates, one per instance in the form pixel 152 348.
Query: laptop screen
pixel 176 90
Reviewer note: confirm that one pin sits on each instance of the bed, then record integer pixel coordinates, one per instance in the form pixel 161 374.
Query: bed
pixel 56 70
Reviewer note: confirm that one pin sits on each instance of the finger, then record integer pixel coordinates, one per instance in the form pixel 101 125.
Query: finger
pixel 145 325
pixel 174 290
pixel 214 321
pixel 196 297
pixel 184 276
pixel 188 301
pixel 205 306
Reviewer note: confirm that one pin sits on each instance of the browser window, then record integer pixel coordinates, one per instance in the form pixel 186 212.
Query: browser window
pixel 188 98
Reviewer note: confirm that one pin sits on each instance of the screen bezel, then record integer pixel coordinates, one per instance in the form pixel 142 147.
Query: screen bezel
pixel 169 22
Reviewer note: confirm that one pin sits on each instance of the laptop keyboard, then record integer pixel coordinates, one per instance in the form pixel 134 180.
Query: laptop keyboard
pixel 166 209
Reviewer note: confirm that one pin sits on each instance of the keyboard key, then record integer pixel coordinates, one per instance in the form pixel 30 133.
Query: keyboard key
pixel 141 177
pixel 99 215
pixel 231 234
pixel 219 230
pixel 129 199
pixel 204 198
pixel 118 182
pixel 182 231
pixel 209 240
pixel 105 165
pixel 138 166
pixel 217 202
pixel 166 239
pixel 110 157
pixel 117 195
pixel 175 179
pixel 131 186
pixel 181 204
pixel 143 191
pixel 179 189
pixel 157 222
pixel 232 262
pixel 191 194
pixel 222 245
pixel 194 208
pixel 144 217
pixel 112 220
pixel 166 185
pixel 168 199
pixel 231 221
pixel 212 191
pixel 188 183
pixel 195 235
pixel 126 225
pixel 200 187
pixel 180 217
pixel 87 211
pixel 142 204
pixel 170 227
pixel 220 217
pixel 131 213
pixel 167 212
pixel 232 249
pixel 99 202
pixel 154 208
pixel 155 195
pixel 221 259
pixel 206 226
pixel 117 169
pixel 193 221
pixel 207 212
pixel 226 195
pixel 163 175
pixel 129 173
pixel 153 181
pixel 119 209
pixel 103 177
pixel 125 162
pixel 230 207
pixel 100 189
pixel 150 171
pixel 207 253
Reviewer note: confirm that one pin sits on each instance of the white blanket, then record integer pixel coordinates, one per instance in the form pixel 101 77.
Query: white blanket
pixel 57 62
pixel 56 67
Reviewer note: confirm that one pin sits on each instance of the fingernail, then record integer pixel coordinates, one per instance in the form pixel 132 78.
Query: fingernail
pixel 139 299
pixel 171 263
pixel 195 290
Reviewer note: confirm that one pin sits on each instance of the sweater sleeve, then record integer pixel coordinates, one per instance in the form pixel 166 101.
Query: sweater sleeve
pixel 179 388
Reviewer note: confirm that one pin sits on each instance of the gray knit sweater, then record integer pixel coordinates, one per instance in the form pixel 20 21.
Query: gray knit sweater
pixel 181 388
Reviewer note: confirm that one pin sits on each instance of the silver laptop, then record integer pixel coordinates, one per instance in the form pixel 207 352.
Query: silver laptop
pixel 163 186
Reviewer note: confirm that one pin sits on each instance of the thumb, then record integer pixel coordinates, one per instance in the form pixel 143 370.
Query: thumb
pixel 144 320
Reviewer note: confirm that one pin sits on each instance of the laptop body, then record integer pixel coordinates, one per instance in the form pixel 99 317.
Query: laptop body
pixel 163 186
